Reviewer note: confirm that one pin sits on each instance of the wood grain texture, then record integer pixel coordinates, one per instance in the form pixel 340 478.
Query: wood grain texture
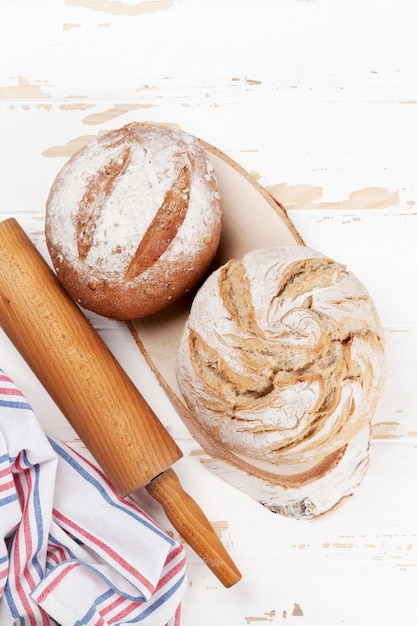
pixel 76 368
pixel 79 372
pixel 194 528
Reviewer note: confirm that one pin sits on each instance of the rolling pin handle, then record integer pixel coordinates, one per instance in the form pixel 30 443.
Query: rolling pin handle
pixel 191 523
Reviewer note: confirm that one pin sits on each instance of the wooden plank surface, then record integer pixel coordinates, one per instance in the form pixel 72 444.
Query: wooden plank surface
pixel 318 101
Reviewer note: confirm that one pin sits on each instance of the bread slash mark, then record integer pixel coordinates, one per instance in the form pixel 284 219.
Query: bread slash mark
pixel 163 227
pixel 92 203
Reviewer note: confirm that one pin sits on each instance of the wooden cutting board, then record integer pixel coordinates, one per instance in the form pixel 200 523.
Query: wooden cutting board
pixel 251 219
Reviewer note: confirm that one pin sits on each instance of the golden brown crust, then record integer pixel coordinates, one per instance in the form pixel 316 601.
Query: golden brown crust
pixel 133 220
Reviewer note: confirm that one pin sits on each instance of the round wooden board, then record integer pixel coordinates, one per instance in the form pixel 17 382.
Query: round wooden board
pixel 251 219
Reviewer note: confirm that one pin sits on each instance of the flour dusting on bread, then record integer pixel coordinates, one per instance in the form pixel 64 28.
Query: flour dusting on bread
pixel 133 220
pixel 282 357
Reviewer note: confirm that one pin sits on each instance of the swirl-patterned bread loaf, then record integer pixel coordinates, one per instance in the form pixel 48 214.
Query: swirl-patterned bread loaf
pixel 282 357
pixel 133 220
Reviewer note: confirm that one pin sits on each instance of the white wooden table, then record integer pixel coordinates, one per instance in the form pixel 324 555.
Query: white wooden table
pixel 318 101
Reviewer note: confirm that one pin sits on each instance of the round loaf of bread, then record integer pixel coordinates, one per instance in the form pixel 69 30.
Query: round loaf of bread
pixel 282 357
pixel 133 220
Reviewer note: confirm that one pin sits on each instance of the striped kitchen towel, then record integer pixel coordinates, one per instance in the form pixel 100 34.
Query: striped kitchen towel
pixel 73 552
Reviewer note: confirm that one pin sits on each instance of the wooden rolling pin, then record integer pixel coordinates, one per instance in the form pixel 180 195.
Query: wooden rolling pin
pixel 95 394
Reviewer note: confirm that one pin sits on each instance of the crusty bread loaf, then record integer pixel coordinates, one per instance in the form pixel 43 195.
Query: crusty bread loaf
pixel 282 357
pixel 133 220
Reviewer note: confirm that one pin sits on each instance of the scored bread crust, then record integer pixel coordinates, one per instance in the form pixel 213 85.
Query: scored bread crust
pixel 133 220
pixel 282 357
